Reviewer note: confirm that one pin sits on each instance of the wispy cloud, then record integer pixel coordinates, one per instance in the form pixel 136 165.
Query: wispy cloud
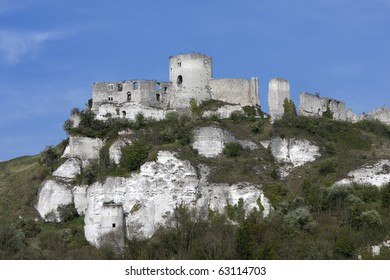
pixel 14 45
pixel 8 6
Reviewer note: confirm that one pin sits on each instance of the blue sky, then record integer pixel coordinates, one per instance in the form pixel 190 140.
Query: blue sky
pixel 51 51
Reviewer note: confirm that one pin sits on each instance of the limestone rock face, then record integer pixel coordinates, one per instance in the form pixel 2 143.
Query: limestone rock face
pixel 140 203
pixel 377 174
pixel 293 153
pixel 115 151
pixel 210 141
pixel 52 194
pixel 85 148
pixel 69 169
pixel 145 197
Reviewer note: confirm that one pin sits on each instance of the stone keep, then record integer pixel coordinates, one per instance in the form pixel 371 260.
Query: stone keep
pixel 278 91
pixel 190 75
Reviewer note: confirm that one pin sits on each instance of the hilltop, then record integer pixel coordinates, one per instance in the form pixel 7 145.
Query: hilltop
pixel 324 221
pixel 162 170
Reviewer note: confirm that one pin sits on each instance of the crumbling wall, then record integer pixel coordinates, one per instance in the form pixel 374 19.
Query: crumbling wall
pixel 237 91
pixel 278 91
pixel 381 114
pixel 314 105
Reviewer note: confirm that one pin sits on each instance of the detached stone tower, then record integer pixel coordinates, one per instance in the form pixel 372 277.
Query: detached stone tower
pixel 278 91
pixel 190 74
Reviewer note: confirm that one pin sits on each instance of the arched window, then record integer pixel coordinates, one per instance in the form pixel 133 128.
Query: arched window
pixel 157 86
pixel 135 85
pixel 129 96
pixel 123 114
pixel 179 80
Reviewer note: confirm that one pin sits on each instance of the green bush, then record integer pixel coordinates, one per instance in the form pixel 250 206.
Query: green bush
pixel 49 156
pixel 134 155
pixel 232 149
pixel 327 166
pixel 67 212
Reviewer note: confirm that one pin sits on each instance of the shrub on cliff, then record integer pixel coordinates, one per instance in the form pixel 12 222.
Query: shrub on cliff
pixel 134 155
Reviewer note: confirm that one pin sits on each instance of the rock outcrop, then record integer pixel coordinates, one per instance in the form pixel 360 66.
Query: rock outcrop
pixel 210 141
pixel 377 174
pixel 143 201
pixel 291 153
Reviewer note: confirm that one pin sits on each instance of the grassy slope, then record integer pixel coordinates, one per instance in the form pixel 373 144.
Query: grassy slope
pixel 19 182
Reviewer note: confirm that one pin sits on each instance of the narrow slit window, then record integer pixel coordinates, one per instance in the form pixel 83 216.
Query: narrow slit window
pixel 158 97
pixel 129 96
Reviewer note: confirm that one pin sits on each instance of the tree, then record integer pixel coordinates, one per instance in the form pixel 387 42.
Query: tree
pixel 300 218
pixel 371 219
pixel 49 156
pixel 289 108
pixel 385 196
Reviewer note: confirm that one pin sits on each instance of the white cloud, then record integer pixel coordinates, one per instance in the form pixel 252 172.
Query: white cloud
pixel 14 44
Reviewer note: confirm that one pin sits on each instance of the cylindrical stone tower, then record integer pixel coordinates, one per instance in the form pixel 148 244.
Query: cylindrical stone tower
pixel 278 91
pixel 190 74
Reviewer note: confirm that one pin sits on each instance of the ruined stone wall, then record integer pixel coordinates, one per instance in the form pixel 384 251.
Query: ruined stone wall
pixel 115 93
pixel 314 105
pixel 154 93
pixel 236 91
pixel 190 74
pixel 381 114
pixel 278 91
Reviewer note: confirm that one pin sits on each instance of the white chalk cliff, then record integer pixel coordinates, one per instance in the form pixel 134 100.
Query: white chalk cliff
pixel 146 198
pixel 291 153
pixel 377 174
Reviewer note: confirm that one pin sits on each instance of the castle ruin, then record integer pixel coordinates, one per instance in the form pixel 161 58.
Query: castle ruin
pixel 191 77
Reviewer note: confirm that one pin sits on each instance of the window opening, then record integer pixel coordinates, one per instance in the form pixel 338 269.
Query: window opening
pixel 178 63
pixel 165 90
pixel 124 114
pixel 135 85
pixel 113 225
pixel 179 80
pixel 157 87
pixel 158 97
pixel 129 96
pixel 120 87
pixel 110 87
pixel 110 98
